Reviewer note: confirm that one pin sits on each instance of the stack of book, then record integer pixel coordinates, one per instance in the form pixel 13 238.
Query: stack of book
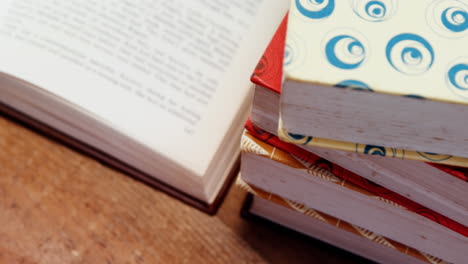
pixel 344 128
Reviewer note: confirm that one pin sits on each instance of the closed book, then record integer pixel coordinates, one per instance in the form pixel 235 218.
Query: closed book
pixel 312 184
pixel 331 229
pixel 378 77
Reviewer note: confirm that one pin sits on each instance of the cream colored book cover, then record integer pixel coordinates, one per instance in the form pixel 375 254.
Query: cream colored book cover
pixel 414 48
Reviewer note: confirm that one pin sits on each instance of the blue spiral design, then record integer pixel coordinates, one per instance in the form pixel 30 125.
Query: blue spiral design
pixel 300 139
pixel 288 55
pixel 315 9
pixel 458 76
pixel 448 18
pixel 434 157
pixel 375 150
pixel 410 54
pixel 376 9
pixel 415 96
pixel 294 51
pixel 373 10
pixel 455 19
pixel 354 85
pixel 345 52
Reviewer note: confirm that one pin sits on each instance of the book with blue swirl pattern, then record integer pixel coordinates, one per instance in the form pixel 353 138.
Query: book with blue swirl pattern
pixel 380 77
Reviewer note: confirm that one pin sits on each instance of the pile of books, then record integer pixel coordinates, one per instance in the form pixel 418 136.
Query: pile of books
pixel 344 128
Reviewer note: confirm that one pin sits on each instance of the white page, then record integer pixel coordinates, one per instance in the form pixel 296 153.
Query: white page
pixel 162 72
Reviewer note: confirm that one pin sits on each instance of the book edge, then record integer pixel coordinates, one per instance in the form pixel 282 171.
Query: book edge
pixel 256 191
pixel 298 139
pixel 83 148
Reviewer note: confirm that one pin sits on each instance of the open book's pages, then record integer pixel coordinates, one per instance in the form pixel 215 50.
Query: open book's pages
pixel 405 66
pixel 332 230
pixel 281 173
pixel 161 86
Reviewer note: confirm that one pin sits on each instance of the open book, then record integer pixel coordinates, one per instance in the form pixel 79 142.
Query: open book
pixel 160 86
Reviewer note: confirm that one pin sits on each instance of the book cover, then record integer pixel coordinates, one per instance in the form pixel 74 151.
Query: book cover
pixel 269 74
pixel 260 142
pixel 314 214
pixel 269 70
pixel 401 48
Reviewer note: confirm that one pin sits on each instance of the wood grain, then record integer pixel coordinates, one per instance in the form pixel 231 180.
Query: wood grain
pixel 58 206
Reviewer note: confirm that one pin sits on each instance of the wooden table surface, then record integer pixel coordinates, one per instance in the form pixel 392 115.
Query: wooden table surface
pixel 58 206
